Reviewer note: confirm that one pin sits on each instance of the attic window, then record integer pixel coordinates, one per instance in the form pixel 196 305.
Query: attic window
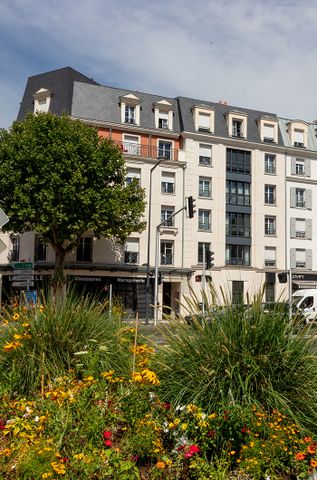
pixel 130 109
pixel 42 100
pixel 163 113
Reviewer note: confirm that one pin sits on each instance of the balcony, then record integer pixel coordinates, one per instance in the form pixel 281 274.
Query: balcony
pixel 131 257
pixel 147 151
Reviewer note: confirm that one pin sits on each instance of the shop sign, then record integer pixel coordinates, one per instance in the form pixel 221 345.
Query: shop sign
pixel 130 280
pixel 87 279
pixel 308 277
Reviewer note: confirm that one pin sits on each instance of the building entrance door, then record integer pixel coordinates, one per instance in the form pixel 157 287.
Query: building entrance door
pixel 167 298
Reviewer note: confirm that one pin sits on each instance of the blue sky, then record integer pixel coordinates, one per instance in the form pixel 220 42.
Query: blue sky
pixel 251 53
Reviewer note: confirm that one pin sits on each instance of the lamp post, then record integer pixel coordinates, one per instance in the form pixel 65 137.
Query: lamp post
pixel 160 160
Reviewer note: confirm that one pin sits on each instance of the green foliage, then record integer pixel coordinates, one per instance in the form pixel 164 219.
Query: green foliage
pixel 58 178
pixel 68 334
pixel 240 355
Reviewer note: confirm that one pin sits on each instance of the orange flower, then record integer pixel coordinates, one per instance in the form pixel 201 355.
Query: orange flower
pixel 313 463
pixel 160 465
pixel 307 439
pixel 311 449
pixel 300 456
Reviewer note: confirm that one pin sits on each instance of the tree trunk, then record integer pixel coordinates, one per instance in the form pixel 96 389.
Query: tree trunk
pixel 59 280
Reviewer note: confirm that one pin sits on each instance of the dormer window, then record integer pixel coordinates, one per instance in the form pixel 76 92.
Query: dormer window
pixel 204 119
pixel 268 128
pixel 163 112
pixel 42 100
pixel 297 131
pixel 237 124
pixel 130 109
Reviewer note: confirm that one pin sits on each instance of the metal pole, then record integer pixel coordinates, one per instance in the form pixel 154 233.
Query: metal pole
pixel 204 280
pixel 148 257
pixel 290 291
pixel 110 299
pixel 157 248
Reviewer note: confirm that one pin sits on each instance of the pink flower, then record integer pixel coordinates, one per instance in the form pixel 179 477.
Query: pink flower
pixel 191 451
pixel 108 443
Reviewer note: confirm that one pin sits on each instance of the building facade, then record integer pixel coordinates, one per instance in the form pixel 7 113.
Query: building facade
pixel 253 177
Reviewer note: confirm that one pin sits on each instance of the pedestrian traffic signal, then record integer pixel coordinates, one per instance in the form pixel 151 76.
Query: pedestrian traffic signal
pixel 209 259
pixel 191 206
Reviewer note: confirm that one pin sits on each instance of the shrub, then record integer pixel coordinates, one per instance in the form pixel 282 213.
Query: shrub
pixel 39 344
pixel 241 356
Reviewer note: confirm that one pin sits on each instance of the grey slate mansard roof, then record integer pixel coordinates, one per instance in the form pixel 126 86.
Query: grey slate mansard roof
pixel 82 97
pixel 60 82
pixel 99 103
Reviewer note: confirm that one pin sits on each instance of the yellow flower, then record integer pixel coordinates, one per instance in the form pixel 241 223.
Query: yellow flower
pixel 58 468
pixel 11 346
pixel 16 316
pixel 16 336
pixel 47 475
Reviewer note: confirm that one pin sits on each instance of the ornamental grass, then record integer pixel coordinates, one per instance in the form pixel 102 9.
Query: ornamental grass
pixel 240 355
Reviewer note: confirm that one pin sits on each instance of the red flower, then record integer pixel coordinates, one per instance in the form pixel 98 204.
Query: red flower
pixel 180 448
pixel 192 450
pixel 211 433
pixel 107 434
pixel 166 405
pixel 300 456
pixel 243 429
pixel 108 443
pixel 64 460
pixel 135 458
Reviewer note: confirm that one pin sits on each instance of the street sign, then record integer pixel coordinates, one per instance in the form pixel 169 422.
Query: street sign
pixel 31 296
pixel 20 278
pixel 22 265
pixel 3 218
pixel 23 284
pixel 23 271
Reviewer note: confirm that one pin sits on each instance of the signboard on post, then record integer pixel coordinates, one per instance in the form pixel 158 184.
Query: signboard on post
pixel 23 274
pixel 3 218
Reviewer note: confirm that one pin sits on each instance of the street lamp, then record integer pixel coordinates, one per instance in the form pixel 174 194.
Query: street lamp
pixel 160 160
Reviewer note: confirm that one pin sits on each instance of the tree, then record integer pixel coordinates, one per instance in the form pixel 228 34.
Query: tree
pixel 60 179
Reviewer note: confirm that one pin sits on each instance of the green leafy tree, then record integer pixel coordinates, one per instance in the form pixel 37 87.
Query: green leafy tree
pixel 60 179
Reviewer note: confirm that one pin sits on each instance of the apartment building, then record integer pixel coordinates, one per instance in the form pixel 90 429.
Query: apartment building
pixel 253 177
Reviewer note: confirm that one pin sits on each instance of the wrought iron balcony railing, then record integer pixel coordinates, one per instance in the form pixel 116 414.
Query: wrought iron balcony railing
pixel 139 150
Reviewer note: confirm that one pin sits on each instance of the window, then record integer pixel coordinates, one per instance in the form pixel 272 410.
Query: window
pixel 168 182
pixel 131 251
pixel 201 247
pixel 163 120
pixel 269 256
pixel 203 122
pixel 40 249
pixel 298 138
pixel 167 253
pixel 300 167
pixel 133 174
pixel 268 132
pixel 238 161
pixel 237 128
pixel 131 144
pixel 166 212
pixel 129 114
pixel 237 292
pixel 301 228
pixel 205 155
pixel 204 187
pixel 269 225
pixel 301 198
pixel 204 219
pixel 270 194
pixel 165 150
pixel 15 248
pixel 270 164
pixel 237 255
pixel 269 292
pixel 238 193
pixel 42 100
pixel 301 258
pixel 238 225
pixel 84 250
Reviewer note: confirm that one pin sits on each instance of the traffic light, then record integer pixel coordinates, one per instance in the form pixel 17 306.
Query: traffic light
pixel 191 206
pixel 209 259
pixel 282 277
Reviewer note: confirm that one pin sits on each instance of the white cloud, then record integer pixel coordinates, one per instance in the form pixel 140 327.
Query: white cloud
pixel 254 54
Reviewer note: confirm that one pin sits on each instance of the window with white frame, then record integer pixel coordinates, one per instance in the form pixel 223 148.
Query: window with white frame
pixel 270 164
pixel 300 258
pixel 204 187
pixel 204 220
pixel 42 100
pixel 269 256
pixel 301 198
pixel 131 251
pixel 270 225
pixel 201 247
pixel 130 144
pixel 237 128
pixel 167 250
pixel 163 119
pixel 129 114
pixel 168 182
pixel 166 212
pixel 270 194
pixel 301 228
pixel 299 138
pixel 205 152
pixel 300 167
pixel 204 122
pixel 268 132
pixel 133 174
pixel 165 149
pixel 84 249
